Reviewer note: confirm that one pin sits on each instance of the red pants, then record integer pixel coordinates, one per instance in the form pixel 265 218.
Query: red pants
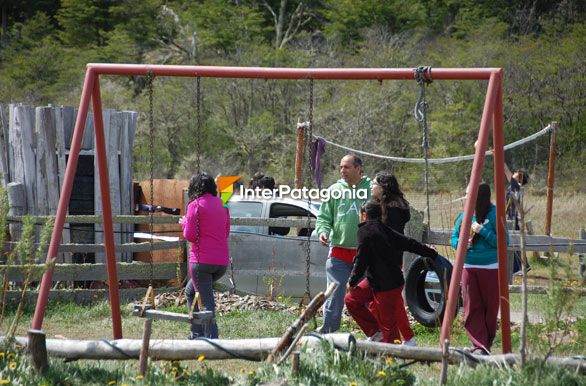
pixel 402 321
pixel 481 304
pixel 378 311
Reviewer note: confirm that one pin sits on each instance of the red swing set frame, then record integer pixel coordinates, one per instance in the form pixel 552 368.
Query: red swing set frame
pixel 492 116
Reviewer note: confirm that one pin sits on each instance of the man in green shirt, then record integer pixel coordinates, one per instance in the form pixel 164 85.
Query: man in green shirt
pixel 337 227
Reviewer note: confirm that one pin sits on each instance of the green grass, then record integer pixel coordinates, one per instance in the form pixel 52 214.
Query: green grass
pixel 93 322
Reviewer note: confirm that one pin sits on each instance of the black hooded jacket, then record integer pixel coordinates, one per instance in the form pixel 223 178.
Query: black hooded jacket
pixel 380 254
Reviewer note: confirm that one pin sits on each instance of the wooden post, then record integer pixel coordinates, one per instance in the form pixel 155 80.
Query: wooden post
pixel 582 265
pixel 38 349
pixel 126 191
pixel 550 177
pixel 295 363
pixel 299 153
pixel 4 169
pixel 144 349
pixel 17 204
pixel 445 361
pixel 22 161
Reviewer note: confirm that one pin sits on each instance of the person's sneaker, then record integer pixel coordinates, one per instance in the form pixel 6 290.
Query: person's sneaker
pixel 411 342
pixel 377 337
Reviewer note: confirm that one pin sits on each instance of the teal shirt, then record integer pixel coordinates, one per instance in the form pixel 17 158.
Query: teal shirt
pixel 484 250
pixel 339 218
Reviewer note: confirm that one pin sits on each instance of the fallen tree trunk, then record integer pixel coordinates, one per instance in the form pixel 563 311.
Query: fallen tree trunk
pixel 259 349
pixel 169 349
pixel 457 356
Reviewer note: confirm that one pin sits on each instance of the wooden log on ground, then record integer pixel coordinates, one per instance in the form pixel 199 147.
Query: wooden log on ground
pixel 456 356
pixel 177 349
pixel 38 350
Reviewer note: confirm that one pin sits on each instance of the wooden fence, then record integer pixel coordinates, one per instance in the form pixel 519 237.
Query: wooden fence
pixel 34 147
pixel 141 271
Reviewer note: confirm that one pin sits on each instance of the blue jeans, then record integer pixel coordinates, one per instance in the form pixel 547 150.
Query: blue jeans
pixel 337 271
pixel 206 274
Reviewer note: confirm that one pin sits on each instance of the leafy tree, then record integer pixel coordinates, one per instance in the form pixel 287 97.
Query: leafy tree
pixel 137 21
pixel 85 22
pixel 347 18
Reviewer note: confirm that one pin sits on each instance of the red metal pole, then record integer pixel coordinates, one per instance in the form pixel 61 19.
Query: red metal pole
pixel 289 73
pixel 472 192
pixel 64 200
pixel 106 210
pixel 501 233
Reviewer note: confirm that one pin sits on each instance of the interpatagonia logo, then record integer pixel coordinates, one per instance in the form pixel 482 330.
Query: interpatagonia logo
pixel 226 187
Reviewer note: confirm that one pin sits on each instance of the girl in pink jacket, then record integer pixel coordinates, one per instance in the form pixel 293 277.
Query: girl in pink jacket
pixel 207 227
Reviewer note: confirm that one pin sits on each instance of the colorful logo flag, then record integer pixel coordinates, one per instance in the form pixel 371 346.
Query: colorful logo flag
pixel 226 187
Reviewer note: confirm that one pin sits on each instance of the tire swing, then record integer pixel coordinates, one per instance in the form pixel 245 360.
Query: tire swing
pixel 427 299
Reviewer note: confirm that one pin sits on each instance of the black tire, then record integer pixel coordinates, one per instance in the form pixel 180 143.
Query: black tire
pixel 415 296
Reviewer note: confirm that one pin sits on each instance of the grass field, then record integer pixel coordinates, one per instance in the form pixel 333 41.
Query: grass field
pixel 66 320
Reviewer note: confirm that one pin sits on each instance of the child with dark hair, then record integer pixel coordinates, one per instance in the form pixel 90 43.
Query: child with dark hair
pixel 395 213
pixel 207 227
pixel 480 273
pixel 376 277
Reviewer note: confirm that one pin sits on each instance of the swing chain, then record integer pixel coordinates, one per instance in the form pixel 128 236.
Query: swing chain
pixel 150 79
pixel 309 133
pixel 198 170
pixel 198 128
pixel 423 78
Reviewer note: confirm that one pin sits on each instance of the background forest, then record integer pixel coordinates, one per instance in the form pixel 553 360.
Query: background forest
pixel 250 125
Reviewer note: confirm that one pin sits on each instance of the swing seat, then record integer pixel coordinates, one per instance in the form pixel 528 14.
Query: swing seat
pixel 197 317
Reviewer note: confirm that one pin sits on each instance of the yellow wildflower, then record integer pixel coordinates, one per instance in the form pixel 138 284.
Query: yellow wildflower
pixel 353 384
pixel 174 370
pixel 381 373
pixel 112 383
pixel 4 381
pixel 186 372
pixel 397 341
pixel 10 356
pixel 201 358
pixel 139 378
pixel 251 373
pixel 2 354
pixel 389 360
pixel 12 365
pixel 242 369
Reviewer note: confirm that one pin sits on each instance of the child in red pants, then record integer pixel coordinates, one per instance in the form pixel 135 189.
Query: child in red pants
pixel 379 257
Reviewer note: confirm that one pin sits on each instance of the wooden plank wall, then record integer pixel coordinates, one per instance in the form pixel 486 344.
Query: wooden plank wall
pixel 34 143
pixel 167 193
